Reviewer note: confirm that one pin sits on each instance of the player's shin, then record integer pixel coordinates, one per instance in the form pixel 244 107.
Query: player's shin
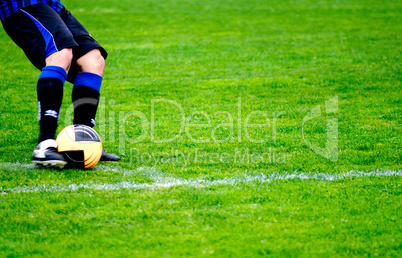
pixel 85 98
pixel 50 96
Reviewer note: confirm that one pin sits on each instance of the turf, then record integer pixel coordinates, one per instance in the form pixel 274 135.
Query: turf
pixel 218 90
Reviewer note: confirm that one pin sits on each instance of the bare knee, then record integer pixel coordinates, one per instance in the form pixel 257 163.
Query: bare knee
pixel 61 58
pixel 92 62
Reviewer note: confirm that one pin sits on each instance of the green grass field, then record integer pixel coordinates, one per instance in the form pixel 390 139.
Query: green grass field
pixel 246 128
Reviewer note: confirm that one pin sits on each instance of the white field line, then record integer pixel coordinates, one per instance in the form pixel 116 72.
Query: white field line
pixel 163 182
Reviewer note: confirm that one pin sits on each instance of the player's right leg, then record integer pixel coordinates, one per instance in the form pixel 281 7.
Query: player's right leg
pixel 48 44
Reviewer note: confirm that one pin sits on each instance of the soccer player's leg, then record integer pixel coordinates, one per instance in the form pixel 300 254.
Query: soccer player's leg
pixel 86 75
pixel 87 85
pixel 86 92
pixel 48 44
pixel 50 96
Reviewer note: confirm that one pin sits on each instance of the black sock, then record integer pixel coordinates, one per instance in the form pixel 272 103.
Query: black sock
pixel 50 96
pixel 86 98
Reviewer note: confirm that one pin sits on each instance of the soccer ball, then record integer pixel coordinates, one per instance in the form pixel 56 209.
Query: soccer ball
pixel 80 145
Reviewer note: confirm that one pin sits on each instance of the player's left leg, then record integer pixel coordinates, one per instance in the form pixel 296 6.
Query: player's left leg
pixel 47 42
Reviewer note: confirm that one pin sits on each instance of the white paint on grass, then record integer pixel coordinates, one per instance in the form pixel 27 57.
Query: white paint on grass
pixel 16 165
pixel 162 181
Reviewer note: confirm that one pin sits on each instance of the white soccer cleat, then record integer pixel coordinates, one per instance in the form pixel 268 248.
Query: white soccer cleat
pixel 45 154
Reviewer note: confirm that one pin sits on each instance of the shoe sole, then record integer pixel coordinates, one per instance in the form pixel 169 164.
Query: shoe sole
pixel 50 163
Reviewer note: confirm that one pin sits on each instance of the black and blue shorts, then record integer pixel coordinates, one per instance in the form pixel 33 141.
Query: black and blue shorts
pixel 40 31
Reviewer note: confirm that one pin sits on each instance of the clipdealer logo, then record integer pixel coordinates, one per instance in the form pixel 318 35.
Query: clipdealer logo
pixel 257 126
pixel 197 156
pixel 238 127
pixel 330 151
